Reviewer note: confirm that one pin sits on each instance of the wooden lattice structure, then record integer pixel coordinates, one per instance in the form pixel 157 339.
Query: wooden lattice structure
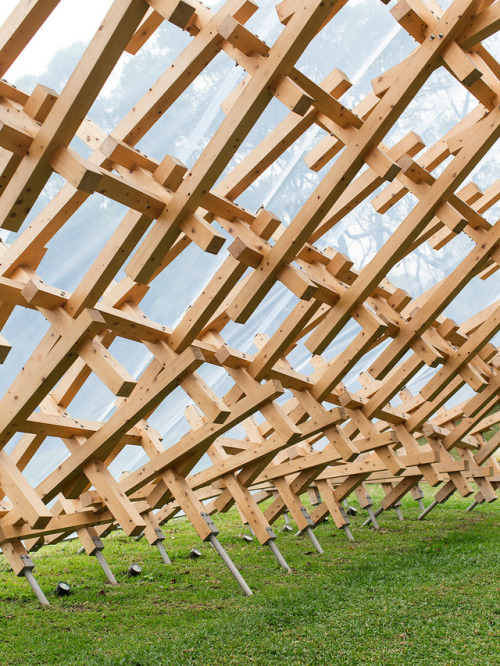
pixel 301 432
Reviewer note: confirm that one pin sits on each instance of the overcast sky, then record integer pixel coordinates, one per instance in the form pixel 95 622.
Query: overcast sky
pixel 71 21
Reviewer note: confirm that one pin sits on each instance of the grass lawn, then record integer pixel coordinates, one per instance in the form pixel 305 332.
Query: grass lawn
pixel 413 593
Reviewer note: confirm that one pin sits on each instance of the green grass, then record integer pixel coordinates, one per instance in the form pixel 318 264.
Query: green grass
pixel 415 593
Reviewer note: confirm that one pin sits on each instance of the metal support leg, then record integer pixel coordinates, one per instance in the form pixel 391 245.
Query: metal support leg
pixel 345 527
pixel 398 512
pixel 80 551
pixel 472 506
pixel 344 515
pixel 27 573
pixel 314 541
pixel 428 510
pixel 275 551
pixel 230 565
pixel 105 567
pixel 163 552
pixel 287 527
pixel 421 505
pixel 372 515
pixel 348 533
pixel 138 538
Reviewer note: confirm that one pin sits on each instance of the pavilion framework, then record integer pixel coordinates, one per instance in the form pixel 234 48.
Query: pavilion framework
pixel 302 433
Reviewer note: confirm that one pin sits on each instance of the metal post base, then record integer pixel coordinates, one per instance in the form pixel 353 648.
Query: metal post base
pixel 428 510
pixel 105 567
pixel 27 573
pixel 372 515
pixel 398 513
pixel 138 538
pixel 314 541
pixel 472 506
pixel 163 552
pixel 230 565
pixel 275 551
pixel 348 533
pixel 344 515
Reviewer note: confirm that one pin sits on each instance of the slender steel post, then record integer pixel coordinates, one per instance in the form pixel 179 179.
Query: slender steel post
pixel 371 513
pixel 472 506
pixel 163 552
pixel 398 513
pixel 348 532
pixel 428 510
pixel 230 565
pixel 105 567
pixel 314 541
pixel 287 526
pixel 27 573
pixel 372 517
pixel 276 552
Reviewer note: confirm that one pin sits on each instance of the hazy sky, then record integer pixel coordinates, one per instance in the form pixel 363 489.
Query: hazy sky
pixel 71 21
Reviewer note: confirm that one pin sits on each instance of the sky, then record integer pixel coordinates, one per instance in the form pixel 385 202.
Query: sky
pixel 70 22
